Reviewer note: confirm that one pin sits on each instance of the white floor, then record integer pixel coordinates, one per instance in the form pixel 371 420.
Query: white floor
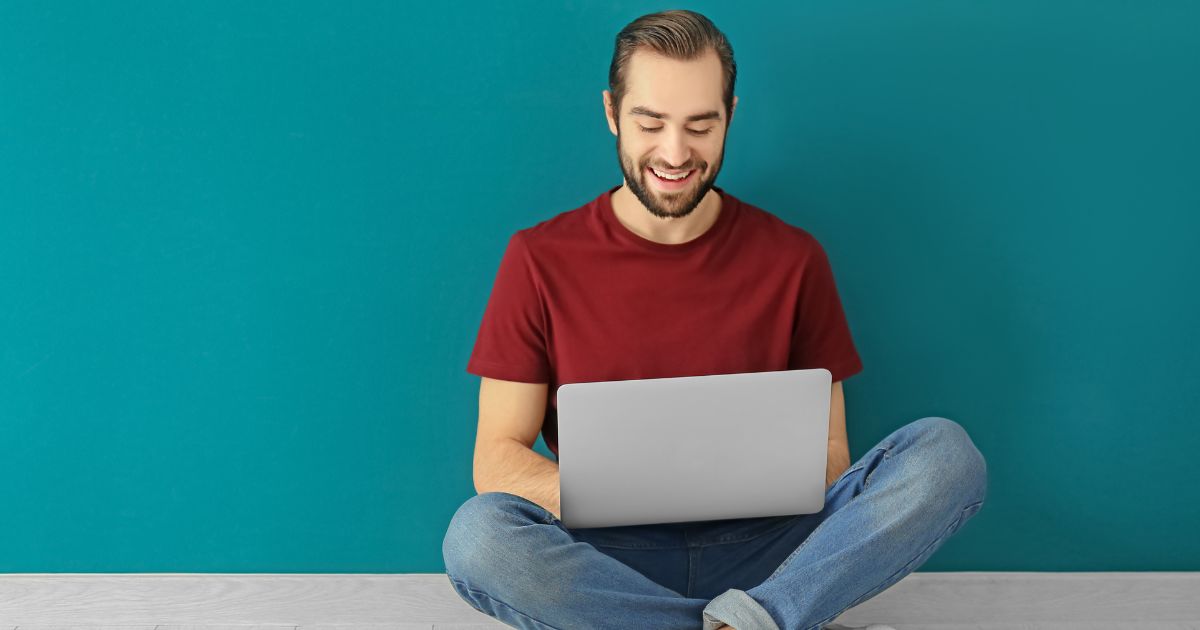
pixel 931 601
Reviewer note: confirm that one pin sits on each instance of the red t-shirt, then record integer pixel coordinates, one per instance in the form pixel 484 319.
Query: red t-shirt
pixel 581 298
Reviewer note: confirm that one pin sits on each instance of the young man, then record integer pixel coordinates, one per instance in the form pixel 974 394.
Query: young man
pixel 669 275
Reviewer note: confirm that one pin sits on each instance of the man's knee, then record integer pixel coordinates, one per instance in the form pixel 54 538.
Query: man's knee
pixel 953 457
pixel 477 531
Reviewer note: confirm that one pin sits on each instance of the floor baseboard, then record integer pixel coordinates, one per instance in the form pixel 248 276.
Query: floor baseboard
pixel 425 601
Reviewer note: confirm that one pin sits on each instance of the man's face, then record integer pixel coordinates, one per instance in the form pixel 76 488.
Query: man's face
pixel 672 119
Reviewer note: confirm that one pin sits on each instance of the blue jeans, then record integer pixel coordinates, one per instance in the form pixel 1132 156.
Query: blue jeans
pixel 884 517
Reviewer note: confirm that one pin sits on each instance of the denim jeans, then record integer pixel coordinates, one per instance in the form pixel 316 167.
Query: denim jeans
pixel 884 516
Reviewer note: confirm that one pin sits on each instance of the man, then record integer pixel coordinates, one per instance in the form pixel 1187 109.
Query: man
pixel 669 275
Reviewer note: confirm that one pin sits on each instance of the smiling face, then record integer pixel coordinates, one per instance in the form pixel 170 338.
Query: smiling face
pixel 672 121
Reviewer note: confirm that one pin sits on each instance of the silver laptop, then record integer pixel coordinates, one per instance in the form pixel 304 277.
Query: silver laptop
pixel 693 448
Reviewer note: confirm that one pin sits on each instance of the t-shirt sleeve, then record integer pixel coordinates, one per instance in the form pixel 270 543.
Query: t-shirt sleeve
pixel 511 344
pixel 821 337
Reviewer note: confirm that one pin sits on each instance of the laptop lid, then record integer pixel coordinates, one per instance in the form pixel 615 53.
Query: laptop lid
pixel 693 448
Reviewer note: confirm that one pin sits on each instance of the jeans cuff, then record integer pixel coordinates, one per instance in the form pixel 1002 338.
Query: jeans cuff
pixel 737 609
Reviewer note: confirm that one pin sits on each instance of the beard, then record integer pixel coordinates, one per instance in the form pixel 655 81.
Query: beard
pixel 668 205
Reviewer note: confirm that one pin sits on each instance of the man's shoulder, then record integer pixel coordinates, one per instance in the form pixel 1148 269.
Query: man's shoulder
pixel 564 223
pixel 565 227
pixel 772 228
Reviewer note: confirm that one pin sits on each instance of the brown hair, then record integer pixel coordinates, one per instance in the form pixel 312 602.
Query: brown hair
pixel 678 34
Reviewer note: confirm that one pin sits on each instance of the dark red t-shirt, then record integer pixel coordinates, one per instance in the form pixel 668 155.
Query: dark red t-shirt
pixel 581 298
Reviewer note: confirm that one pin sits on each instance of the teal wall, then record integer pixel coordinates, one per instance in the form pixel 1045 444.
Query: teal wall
pixel 245 249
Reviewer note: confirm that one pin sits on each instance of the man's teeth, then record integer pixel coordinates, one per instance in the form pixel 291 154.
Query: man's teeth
pixel 666 176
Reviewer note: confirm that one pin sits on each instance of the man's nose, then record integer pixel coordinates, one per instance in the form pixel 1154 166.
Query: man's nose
pixel 675 151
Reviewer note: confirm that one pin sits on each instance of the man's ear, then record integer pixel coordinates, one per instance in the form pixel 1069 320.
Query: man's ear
pixel 608 112
pixel 732 109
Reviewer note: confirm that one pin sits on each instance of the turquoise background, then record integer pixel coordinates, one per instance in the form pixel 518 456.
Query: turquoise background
pixel 245 249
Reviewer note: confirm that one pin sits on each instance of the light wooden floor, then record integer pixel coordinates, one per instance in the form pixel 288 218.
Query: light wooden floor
pixel 930 601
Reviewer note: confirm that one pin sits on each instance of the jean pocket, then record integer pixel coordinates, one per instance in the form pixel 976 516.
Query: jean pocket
pixel 852 470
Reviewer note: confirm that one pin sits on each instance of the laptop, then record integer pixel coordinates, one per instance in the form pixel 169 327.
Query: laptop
pixel 693 448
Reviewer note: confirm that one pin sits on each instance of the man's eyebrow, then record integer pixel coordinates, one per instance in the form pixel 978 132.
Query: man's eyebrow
pixel 638 110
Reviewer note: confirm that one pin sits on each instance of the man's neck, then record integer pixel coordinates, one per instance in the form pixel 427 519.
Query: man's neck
pixel 671 231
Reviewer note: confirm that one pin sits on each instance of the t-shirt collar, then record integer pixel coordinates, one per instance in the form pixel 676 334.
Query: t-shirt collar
pixel 725 218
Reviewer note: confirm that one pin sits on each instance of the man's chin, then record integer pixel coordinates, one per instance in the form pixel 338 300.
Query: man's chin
pixel 674 212
pixel 674 201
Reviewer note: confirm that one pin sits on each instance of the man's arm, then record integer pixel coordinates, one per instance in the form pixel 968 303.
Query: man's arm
pixel 839 445
pixel 510 418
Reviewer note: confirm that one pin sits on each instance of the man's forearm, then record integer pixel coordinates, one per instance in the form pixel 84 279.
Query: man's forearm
pixel 839 461
pixel 512 467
